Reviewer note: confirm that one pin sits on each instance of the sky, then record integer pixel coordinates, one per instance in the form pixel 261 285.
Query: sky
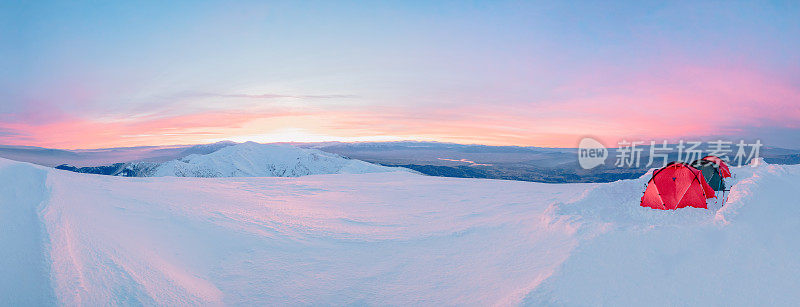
pixel 115 73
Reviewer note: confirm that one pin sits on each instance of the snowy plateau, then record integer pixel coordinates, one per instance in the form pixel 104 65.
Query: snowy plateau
pixel 388 238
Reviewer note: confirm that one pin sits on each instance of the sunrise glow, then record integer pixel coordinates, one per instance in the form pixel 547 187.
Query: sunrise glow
pixel 497 73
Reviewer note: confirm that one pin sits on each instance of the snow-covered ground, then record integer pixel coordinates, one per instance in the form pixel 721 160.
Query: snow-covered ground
pixel 393 238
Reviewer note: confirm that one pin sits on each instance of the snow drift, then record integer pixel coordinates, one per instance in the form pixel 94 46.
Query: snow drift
pixel 393 238
pixel 257 160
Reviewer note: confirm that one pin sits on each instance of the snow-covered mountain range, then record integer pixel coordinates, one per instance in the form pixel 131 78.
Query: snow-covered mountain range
pixel 261 160
pixel 551 165
pixel 244 160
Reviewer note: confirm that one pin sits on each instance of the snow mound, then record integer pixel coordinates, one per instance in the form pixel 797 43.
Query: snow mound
pixel 259 160
pixel 744 253
pixel 392 238
pixel 24 273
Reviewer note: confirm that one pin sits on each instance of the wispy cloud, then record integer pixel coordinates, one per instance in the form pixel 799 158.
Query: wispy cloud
pixel 267 96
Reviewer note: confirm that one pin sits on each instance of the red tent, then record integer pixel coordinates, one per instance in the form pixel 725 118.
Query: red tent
pixel 724 172
pixel 677 185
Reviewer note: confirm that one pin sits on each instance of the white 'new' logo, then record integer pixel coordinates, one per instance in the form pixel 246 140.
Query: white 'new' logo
pixel 591 153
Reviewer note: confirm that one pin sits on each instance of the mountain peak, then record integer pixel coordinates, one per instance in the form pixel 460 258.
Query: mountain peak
pixel 251 159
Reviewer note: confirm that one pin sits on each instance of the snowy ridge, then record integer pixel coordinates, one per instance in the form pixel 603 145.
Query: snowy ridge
pixel 392 238
pixel 259 160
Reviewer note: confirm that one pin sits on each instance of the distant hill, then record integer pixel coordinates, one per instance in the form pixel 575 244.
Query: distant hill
pixel 261 160
pixel 241 160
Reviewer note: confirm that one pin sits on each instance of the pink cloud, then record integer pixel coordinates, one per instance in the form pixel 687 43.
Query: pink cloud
pixel 72 132
pixel 678 102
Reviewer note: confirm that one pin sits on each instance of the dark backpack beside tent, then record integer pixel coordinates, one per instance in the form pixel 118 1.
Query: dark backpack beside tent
pixel 711 172
pixel 723 167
